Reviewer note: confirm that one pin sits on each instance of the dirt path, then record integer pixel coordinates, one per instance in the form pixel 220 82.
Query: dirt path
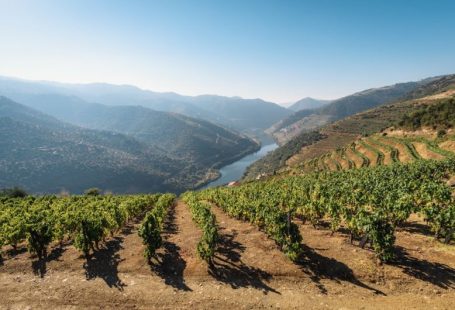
pixel 373 157
pixel 425 152
pixel 249 251
pixel 182 235
pixel 358 161
pixel 386 151
pixel 248 272
pixel 403 152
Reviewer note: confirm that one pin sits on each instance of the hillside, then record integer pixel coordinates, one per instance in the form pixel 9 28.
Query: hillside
pixel 248 115
pixel 425 132
pixel 307 120
pixel 188 139
pixel 382 234
pixel 50 156
pixel 191 140
pixel 308 103
pixel 345 131
pixel 43 154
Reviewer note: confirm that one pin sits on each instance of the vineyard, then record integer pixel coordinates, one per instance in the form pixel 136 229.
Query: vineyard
pixel 317 238
pixel 380 149
pixel 369 202
pixel 85 220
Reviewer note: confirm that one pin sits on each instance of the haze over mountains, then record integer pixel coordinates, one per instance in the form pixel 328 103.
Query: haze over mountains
pixel 250 115
pixel 173 151
pixel 308 103
pixel 73 136
pixel 307 120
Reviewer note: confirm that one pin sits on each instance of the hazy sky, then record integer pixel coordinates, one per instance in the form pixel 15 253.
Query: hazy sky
pixel 276 50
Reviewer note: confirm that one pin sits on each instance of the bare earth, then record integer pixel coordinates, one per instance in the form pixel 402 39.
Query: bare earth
pixel 248 271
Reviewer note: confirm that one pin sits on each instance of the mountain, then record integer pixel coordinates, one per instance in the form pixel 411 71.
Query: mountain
pixel 419 128
pixel 308 120
pixel 44 154
pixel 185 138
pixel 308 103
pixel 247 115
pixel 334 135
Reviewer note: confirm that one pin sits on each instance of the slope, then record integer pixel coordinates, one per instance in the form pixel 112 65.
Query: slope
pixel 341 133
pixel 250 115
pixel 45 155
pixel 306 120
pixel 308 103
pixel 424 132
pixel 191 140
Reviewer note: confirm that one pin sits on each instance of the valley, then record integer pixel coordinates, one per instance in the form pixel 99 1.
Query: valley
pixel 355 213
pixel 227 155
pixel 169 151
pixel 236 170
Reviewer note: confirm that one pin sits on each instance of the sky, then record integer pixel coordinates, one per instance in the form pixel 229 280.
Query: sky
pixel 279 51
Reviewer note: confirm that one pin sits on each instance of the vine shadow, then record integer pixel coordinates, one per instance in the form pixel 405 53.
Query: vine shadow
pixel 437 274
pixel 319 267
pixel 104 262
pixel 169 264
pixel 416 228
pixel 39 266
pixel 227 267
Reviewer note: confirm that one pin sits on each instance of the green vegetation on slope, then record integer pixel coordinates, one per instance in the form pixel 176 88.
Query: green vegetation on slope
pixel 369 202
pixel 276 159
pixel 43 154
pixel 339 134
pixel 152 225
pixel 439 116
pixel 86 220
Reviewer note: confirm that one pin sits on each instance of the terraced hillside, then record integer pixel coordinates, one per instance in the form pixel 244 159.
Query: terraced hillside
pixel 382 149
pixel 350 129
pixel 434 112
pixel 341 133
pixel 423 129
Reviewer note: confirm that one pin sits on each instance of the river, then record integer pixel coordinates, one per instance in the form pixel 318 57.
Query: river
pixel 234 171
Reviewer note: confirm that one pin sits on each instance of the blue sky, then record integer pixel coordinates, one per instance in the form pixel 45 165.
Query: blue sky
pixel 275 50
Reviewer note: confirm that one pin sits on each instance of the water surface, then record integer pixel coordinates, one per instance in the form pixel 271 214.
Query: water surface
pixel 234 171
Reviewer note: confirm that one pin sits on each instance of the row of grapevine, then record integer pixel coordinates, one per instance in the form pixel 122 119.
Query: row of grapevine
pixel 370 202
pixel 392 150
pixel 365 160
pixel 264 209
pixel 86 220
pixel 432 146
pixel 152 225
pixel 379 155
pixel 205 219
pixel 408 145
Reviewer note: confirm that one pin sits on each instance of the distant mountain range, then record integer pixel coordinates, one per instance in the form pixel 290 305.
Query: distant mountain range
pixel 246 115
pixel 69 137
pixel 164 151
pixel 308 103
pixel 308 120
